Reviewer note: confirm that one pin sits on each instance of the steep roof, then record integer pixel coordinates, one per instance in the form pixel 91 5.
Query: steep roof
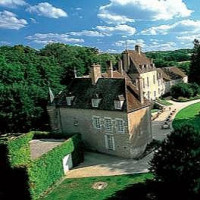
pixel 107 89
pixel 140 61
pixel 164 75
pixel 173 72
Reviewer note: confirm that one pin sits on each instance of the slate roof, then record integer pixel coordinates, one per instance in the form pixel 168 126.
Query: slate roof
pixel 108 90
pixel 172 73
pixel 141 63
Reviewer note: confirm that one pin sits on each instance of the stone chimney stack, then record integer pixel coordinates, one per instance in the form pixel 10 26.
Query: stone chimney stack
pixel 120 67
pixel 95 73
pixel 109 69
pixel 138 49
pixel 126 60
pixel 140 88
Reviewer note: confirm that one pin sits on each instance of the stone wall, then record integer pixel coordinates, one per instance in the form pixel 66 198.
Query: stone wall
pixel 82 121
pixel 140 131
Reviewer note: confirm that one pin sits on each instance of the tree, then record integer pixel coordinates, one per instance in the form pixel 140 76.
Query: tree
pixel 182 90
pixel 194 75
pixel 177 162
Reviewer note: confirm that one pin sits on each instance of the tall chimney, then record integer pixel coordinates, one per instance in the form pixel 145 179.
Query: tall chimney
pixel 109 69
pixel 95 73
pixel 138 49
pixel 140 88
pixel 126 61
pixel 120 67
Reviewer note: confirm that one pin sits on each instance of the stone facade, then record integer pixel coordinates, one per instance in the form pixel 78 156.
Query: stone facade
pixel 156 81
pixel 128 143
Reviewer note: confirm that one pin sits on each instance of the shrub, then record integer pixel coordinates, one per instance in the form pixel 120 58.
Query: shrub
pixel 176 162
pixel 184 90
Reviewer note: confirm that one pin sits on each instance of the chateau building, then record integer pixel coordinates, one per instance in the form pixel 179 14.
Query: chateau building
pixel 112 110
pixel 108 110
pixel 156 81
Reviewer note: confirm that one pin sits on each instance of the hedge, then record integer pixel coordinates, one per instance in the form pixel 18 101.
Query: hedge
pixel 39 174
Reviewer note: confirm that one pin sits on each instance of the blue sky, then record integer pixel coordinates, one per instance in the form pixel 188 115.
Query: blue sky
pixel 109 25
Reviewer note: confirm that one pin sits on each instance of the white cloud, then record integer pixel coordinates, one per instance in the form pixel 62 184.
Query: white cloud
pixel 12 3
pixel 78 8
pixel 113 18
pixel 182 27
pixel 144 10
pixel 88 33
pixel 161 46
pixel 53 37
pixel 9 20
pixel 47 10
pixel 188 38
pixel 130 44
pixel 119 30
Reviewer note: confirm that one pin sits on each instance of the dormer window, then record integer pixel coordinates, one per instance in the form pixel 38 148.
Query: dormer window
pixel 119 102
pixel 69 100
pixel 96 101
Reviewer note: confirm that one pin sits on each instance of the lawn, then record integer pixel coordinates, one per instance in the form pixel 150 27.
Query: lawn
pixel 189 115
pixel 164 102
pixel 81 188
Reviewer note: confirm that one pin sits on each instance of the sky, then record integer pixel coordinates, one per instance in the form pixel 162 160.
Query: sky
pixel 109 25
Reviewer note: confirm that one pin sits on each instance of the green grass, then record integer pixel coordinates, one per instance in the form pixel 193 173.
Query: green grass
pixel 164 102
pixel 155 110
pixel 188 115
pixel 81 188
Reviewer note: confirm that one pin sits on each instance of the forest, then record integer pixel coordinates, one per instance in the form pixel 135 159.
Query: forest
pixel 26 75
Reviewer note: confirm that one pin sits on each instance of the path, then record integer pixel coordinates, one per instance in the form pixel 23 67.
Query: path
pixel 97 164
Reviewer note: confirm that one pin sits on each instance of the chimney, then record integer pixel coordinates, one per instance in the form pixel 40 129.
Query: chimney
pixel 109 69
pixel 95 73
pixel 140 88
pixel 126 61
pixel 120 67
pixel 138 49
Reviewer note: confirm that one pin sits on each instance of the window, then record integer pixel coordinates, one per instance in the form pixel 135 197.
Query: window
pixel 154 93
pixel 143 83
pixel 148 81
pixel 158 91
pixel 154 79
pixel 96 122
pixel 95 103
pixel 69 100
pixel 148 95
pixel 109 142
pixel 108 124
pixel 120 125
pixel 118 104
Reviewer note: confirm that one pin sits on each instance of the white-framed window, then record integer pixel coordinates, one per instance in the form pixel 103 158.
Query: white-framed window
pixel 120 125
pixel 143 83
pixel 108 124
pixel 148 81
pixel 69 100
pixel 118 104
pixel 110 142
pixel 95 103
pixel 158 91
pixel 154 93
pixel 96 122
pixel 148 95
pixel 154 79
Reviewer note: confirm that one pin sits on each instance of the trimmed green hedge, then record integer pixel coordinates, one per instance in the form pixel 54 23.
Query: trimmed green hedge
pixel 48 169
pixel 42 172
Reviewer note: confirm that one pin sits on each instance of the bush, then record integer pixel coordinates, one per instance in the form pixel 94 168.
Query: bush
pixel 176 162
pixel 37 175
pixel 184 90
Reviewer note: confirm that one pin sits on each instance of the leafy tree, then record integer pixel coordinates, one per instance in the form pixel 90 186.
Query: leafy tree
pixel 177 162
pixel 194 75
pixel 182 90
